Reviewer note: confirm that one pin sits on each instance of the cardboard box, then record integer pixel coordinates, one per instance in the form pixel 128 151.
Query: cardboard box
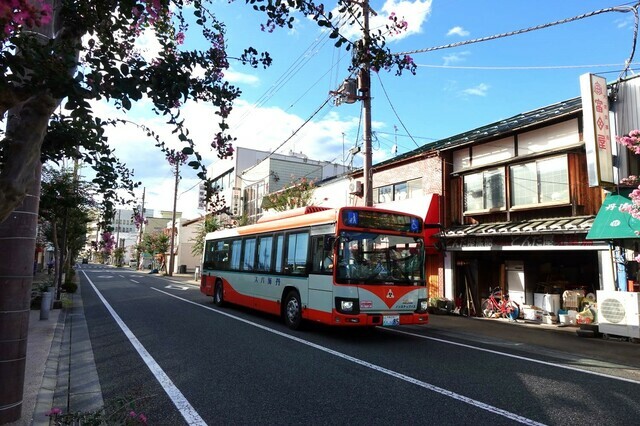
pixel 531 314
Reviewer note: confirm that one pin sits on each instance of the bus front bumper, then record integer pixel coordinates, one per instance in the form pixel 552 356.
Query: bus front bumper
pixel 385 320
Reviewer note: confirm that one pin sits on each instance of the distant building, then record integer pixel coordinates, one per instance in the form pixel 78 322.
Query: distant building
pixel 249 175
pixel 187 230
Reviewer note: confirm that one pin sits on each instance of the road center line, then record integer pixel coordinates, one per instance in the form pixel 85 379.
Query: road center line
pixel 188 412
pixel 408 379
pixel 522 358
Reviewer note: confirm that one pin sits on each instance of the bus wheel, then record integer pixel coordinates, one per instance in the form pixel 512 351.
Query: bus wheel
pixel 293 310
pixel 218 296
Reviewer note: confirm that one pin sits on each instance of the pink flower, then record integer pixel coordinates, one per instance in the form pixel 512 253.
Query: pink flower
pixel 54 412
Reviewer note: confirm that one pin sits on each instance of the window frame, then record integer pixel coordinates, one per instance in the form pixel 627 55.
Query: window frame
pixel 501 171
pixel 295 268
pixel 268 251
pixel 540 182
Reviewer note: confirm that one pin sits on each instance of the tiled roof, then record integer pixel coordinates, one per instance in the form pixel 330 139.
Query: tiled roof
pixel 561 225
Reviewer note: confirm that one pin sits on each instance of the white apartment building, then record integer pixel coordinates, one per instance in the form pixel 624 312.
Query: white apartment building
pixel 244 179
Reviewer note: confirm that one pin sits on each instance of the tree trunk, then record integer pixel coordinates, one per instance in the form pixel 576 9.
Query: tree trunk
pixel 26 127
pixel 17 245
pixel 56 255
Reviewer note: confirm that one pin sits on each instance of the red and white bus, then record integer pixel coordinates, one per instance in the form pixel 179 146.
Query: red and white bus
pixel 353 266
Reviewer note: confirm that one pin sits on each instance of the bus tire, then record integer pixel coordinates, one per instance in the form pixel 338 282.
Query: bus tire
pixel 218 294
pixel 292 310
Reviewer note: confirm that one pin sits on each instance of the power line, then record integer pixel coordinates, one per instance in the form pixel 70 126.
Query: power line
pixel 524 68
pixel 289 73
pixel 298 129
pixel 526 30
pixel 394 110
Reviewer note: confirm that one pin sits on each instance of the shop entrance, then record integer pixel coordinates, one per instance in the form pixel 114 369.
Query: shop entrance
pixel 524 273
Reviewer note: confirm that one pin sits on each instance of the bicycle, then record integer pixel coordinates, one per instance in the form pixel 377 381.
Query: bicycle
pixel 499 306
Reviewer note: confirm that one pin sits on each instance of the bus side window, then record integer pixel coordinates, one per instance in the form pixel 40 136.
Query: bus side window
pixel 317 256
pixel 265 250
pixel 322 254
pixel 222 255
pixel 249 254
pixel 236 245
pixel 297 248
pixel 208 261
pixel 279 251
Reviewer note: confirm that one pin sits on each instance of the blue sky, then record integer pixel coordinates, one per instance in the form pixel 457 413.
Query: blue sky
pixel 455 90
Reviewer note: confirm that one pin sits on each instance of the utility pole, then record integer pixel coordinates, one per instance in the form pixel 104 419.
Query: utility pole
pixel 140 234
pixel 364 85
pixel 118 235
pixel 173 220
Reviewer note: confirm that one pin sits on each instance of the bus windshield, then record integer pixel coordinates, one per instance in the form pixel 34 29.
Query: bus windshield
pixel 377 258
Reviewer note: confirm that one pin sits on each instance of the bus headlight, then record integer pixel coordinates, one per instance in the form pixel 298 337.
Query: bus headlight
pixel 423 305
pixel 347 305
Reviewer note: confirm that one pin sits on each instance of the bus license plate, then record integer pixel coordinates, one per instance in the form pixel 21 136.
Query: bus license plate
pixel 389 320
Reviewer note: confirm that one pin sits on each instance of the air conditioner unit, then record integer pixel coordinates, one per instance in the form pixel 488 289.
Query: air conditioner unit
pixel 619 314
pixel 356 188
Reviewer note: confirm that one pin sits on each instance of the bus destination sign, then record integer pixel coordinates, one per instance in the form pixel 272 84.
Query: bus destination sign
pixel 381 220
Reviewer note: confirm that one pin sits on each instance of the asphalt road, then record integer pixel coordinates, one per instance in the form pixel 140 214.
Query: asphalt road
pixel 234 366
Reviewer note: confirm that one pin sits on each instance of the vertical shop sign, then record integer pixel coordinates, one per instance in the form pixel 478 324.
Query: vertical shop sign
pixel 597 133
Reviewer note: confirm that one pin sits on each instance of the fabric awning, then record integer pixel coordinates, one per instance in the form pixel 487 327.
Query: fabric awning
pixel 611 223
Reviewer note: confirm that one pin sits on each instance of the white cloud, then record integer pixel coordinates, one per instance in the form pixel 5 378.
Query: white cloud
pixel 458 31
pixel 623 23
pixel 267 129
pixel 454 58
pixel 480 90
pixel 240 78
pixel 415 13
pixel 258 128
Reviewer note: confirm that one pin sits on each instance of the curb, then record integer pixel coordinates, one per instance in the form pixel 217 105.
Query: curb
pixel 44 400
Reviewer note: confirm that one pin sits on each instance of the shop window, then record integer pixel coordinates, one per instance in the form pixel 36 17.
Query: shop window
pixel 484 190
pixel 544 181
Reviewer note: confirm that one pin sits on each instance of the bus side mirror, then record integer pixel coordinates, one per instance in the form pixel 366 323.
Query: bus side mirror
pixel 329 240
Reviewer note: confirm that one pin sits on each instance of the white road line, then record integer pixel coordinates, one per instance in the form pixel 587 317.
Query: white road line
pixel 478 404
pixel 522 358
pixel 190 415
pixel 137 282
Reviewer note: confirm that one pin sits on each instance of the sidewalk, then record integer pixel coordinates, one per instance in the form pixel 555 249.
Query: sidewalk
pixel 61 372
